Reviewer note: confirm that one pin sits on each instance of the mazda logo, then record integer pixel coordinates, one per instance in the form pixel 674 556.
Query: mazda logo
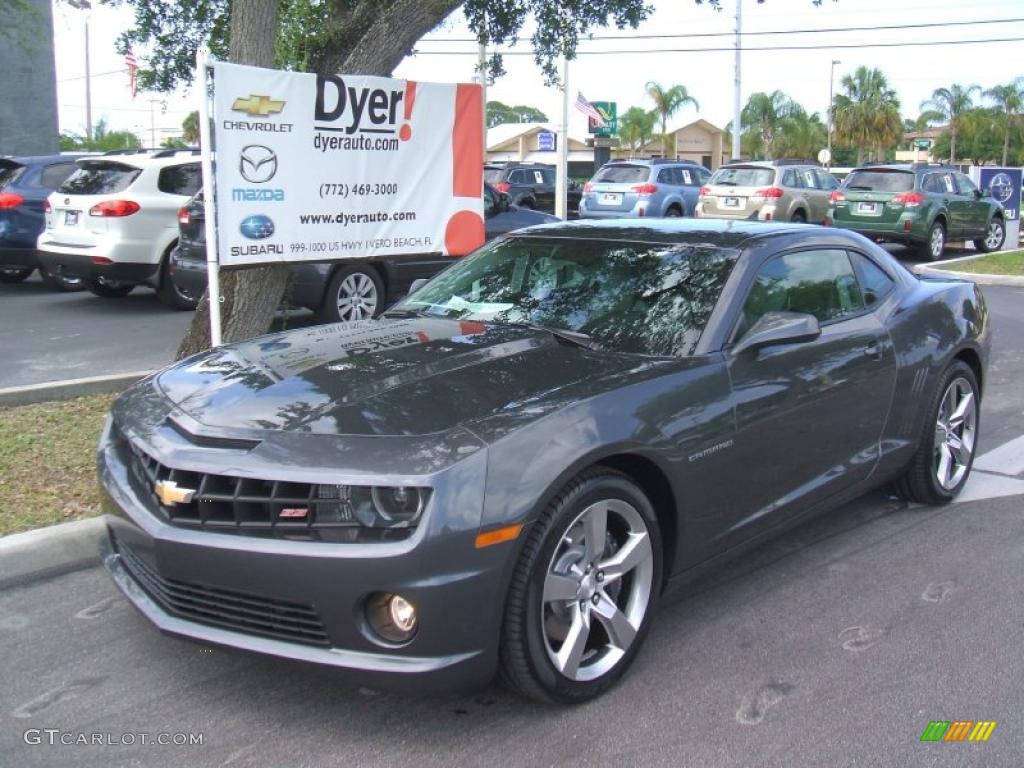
pixel 257 227
pixel 257 164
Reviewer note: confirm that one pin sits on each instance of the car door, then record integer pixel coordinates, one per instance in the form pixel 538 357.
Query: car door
pixel 544 188
pixel 976 208
pixel 809 416
pixel 957 204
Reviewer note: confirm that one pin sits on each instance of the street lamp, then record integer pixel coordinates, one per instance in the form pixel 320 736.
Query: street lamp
pixel 831 109
pixel 86 5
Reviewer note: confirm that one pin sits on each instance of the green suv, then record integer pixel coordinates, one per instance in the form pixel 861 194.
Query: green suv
pixel 925 205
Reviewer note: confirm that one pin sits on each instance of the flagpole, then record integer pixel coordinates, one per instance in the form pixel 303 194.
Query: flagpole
pixel 562 173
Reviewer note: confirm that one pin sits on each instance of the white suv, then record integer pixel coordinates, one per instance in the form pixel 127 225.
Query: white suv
pixel 114 221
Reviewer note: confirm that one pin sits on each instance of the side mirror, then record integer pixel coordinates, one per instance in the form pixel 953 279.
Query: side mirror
pixel 573 184
pixel 504 201
pixel 779 328
pixel 978 193
pixel 417 284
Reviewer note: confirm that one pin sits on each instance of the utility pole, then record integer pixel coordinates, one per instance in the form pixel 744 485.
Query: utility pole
pixel 86 5
pixel 152 122
pixel 831 109
pixel 562 174
pixel 482 67
pixel 736 109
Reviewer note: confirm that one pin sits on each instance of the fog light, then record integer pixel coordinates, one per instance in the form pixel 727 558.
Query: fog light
pixel 391 616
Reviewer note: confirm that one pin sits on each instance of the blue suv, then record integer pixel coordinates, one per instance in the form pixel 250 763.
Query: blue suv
pixel 637 188
pixel 25 183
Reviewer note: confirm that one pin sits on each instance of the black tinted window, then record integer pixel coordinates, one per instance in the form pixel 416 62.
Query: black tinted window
pixel 180 179
pixel 665 176
pixel 881 181
pixel 873 279
pixel 9 172
pixel 819 283
pixel 53 176
pixel 494 175
pixel 99 178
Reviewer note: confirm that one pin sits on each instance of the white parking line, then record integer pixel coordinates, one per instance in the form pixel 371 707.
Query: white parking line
pixel 992 475
pixel 1007 459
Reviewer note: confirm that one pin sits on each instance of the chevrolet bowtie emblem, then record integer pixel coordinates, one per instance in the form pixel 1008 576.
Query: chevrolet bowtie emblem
pixel 257 105
pixel 170 494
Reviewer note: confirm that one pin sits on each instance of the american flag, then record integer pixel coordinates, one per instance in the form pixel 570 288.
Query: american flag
pixel 133 68
pixel 587 109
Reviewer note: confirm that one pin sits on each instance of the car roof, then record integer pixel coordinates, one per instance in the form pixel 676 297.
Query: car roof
pixel 42 159
pixel 652 161
pixel 141 160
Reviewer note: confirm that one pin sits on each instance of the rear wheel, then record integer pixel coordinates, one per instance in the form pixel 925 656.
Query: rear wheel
pixel 108 289
pixel 354 293
pixel 994 239
pixel 58 281
pixel 583 591
pixel 15 274
pixel 172 294
pixel 674 212
pixel 945 454
pixel 933 247
pixel 799 217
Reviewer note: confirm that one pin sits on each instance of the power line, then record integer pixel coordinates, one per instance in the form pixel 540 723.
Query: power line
pixel 94 74
pixel 923 25
pixel 746 48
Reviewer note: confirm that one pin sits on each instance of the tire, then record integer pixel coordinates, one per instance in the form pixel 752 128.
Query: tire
pixel 108 289
pixel 799 217
pixel 928 479
pixel 170 293
pixel 354 293
pixel 535 619
pixel 58 281
pixel 15 274
pixel 933 247
pixel 995 238
pixel 673 212
pixel 527 202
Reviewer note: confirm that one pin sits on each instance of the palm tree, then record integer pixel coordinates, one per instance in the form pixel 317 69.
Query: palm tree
pixel 636 126
pixel 1009 100
pixel 668 101
pixel 951 103
pixel 867 113
pixel 763 114
pixel 800 134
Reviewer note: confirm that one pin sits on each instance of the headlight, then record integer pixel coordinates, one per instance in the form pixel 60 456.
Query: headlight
pixel 370 506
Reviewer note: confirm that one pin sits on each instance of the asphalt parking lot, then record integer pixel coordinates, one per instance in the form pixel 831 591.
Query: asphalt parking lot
pixel 835 645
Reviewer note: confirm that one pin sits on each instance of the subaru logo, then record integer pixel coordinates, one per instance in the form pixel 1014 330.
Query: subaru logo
pixel 257 164
pixel 257 227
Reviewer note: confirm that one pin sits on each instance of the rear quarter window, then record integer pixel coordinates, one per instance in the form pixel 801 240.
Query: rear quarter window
pixel 103 178
pixel 880 181
pixel 9 173
pixel 180 179
pixel 623 174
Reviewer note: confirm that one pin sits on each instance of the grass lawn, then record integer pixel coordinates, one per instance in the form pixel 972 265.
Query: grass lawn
pixel 48 462
pixel 999 263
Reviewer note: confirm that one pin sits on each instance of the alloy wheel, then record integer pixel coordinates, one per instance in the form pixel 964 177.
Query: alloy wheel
pixel 357 297
pixel 994 238
pixel 597 589
pixel 955 433
pixel 937 242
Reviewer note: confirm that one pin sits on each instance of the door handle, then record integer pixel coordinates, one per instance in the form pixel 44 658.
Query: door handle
pixel 873 350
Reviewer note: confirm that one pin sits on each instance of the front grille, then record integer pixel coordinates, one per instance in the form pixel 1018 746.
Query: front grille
pixel 247 506
pixel 237 611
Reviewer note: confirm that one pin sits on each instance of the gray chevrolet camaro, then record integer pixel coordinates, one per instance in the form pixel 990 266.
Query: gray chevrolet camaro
pixel 507 470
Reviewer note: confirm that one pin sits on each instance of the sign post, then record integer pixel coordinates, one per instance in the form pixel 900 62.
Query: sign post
pixel 203 62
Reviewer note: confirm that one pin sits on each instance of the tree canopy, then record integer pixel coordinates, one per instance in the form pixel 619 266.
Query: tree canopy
pixel 498 113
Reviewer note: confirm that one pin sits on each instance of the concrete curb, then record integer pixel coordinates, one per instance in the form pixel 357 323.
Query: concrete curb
pixel 932 270
pixel 50 551
pixel 69 388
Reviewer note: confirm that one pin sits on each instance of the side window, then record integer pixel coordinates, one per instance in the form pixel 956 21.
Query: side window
pixel 516 177
pixel 703 175
pixel 538 177
pixel 665 176
pixel 826 180
pixel 820 283
pixel 548 177
pixel 932 183
pixel 809 177
pixel 180 179
pixel 685 176
pixel 55 175
pixel 789 178
pixel 948 185
pixel 875 283
pixel 967 187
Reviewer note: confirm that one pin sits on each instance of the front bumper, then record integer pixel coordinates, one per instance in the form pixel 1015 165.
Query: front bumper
pixel 457 589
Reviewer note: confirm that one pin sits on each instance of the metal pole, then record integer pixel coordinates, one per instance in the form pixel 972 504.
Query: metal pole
pixel 209 190
pixel 831 110
pixel 88 86
pixel 152 123
pixel 482 67
pixel 736 108
pixel 562 173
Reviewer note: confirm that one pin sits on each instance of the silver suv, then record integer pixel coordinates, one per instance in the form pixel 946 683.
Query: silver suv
pixel 654 188
pixel 768 190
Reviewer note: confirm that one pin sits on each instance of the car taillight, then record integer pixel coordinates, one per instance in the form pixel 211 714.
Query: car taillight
pixel 46 206
pixel 909 199
pixel 503 186
pixel 837 196
pixel 770 193
pixel 704 192
pixel 183 217
pixel 587 187
pixel 10 200
pixel 645 189
pixel 114 208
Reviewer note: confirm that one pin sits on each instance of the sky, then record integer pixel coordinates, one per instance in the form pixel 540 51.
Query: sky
pixel 914 71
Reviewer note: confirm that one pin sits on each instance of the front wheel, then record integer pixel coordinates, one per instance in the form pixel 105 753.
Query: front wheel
pixel 15 274
pixel 109 289
pixel 354 293
pixel 993 240
pixel 583 591
pixel 940 467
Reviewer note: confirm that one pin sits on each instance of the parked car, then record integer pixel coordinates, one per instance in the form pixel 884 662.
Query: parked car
pixel 924 205
pixel 651 188
pixel 113 221
pixel 531 185
pixel 770 190
pixel 25 183
pixel 348 290
pixel 507 469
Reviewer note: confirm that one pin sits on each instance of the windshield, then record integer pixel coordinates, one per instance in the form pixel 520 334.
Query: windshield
pixel 622 174
pixel 881 181
pixel 642 298
pixel 743 177
pixel 99 178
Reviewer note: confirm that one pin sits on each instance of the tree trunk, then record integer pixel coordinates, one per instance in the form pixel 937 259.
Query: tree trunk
pixel 952 145
pixel 1006 143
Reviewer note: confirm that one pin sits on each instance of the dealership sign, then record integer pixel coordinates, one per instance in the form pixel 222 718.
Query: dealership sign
pixel 326 167
pixel 1004 185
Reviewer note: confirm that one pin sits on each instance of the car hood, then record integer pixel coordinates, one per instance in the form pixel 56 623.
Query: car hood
pixel 390 377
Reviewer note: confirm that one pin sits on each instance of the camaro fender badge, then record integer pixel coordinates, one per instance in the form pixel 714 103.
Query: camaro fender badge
pixel 712 450
pixel 170 494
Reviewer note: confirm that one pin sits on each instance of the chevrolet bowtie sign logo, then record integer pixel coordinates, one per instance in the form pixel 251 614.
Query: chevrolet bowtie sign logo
pixel 170 494
pixel 261 106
